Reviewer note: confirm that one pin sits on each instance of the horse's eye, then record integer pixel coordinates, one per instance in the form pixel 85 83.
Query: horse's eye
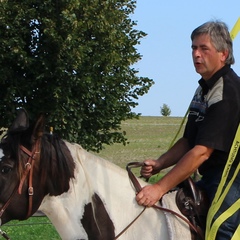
pixel 6 169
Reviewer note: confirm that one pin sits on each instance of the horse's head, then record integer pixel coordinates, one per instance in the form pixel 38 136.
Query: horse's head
pixel 32 165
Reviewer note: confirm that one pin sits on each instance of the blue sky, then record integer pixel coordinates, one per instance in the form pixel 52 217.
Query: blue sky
pixel 166 50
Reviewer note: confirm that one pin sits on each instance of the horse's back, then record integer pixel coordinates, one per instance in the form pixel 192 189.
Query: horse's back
pixel 112 185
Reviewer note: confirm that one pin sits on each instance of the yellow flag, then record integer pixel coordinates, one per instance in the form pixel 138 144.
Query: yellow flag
pixel 235 29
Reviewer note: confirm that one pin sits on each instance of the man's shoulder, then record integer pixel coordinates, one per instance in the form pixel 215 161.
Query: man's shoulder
pixel 231 74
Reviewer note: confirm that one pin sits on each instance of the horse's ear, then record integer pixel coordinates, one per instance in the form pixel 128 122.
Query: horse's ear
pixel 39 127
pixel 21 123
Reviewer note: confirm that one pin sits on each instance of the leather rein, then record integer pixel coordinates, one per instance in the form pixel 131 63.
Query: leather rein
pixel 29 167
pixel 138 188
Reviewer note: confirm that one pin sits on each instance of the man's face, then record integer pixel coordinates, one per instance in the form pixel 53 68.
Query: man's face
pixel 207 60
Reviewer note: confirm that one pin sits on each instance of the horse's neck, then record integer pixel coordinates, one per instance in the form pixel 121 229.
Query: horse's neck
pixel 94 176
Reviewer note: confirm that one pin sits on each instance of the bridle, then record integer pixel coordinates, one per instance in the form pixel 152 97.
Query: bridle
pixel 138 188
pixel 29 167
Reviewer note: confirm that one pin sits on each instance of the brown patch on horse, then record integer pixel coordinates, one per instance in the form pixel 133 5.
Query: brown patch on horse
pixel 97 222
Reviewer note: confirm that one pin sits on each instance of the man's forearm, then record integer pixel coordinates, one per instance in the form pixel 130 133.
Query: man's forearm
pixel 173 155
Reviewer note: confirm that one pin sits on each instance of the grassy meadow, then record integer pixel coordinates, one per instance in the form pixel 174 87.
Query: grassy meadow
pixel 148 137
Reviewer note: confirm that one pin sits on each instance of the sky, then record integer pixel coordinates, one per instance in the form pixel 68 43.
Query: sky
pixel 166 50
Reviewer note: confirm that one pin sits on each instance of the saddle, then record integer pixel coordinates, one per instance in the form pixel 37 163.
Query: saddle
pixel 193 203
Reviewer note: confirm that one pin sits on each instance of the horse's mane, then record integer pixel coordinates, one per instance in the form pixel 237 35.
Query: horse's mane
pixel 56 167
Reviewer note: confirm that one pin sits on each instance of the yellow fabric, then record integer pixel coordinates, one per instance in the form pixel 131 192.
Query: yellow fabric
pixel 235 29
pixel 236 235
pixel 212 227
pixel 222 218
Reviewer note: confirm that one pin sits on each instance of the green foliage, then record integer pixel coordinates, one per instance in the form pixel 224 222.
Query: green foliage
pixel 73 61
pixel 165 110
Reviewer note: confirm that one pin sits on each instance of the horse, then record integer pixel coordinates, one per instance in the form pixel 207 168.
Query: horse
pixel 84 196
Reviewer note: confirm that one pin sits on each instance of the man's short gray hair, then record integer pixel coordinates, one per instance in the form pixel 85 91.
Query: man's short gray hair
pixel 219 35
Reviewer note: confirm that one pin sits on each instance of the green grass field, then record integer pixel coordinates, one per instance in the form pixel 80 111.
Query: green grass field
pixel 35 228
pixel 148 137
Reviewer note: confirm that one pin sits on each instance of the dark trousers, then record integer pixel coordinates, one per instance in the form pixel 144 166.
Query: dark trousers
pixel 210 182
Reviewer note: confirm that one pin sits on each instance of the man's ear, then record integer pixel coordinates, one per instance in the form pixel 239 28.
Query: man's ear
pixel 224 56
pixel 21 122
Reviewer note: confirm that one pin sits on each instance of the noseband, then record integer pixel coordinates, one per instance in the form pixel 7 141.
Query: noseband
pixel 29 166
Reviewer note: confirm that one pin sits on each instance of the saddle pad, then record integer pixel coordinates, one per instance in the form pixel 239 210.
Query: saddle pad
pixel 178 229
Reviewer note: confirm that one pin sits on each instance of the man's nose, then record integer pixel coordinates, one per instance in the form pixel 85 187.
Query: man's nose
pixel 196 53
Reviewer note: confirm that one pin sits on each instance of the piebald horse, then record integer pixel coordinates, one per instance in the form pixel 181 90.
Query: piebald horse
pixel 84 196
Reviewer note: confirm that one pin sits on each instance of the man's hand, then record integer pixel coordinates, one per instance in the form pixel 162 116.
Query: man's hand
pixel 149 168
pixel 149 195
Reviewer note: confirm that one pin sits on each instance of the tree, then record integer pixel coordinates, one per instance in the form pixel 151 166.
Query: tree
pixel 72 60
pixel 165 110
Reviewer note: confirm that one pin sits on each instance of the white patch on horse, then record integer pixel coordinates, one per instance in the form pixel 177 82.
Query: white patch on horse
pixel 1 154
pixel 112 185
